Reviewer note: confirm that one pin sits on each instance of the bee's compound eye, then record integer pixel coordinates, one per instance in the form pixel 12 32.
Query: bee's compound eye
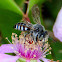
pixel 37 29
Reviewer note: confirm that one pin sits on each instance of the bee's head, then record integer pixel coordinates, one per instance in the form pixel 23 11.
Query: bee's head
pixel 45 33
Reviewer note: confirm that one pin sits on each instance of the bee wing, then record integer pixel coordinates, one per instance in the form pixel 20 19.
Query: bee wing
pixel 36 14
pixel 28 24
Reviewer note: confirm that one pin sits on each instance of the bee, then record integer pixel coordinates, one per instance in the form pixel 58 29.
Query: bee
pixel 37 31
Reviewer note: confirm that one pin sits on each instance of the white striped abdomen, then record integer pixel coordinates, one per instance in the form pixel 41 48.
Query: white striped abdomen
pixel 22 27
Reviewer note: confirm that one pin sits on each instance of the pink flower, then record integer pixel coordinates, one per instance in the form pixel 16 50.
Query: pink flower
pixel 26 49
pixel 57 28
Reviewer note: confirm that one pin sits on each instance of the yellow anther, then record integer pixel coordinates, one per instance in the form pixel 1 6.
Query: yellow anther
pixel 16 52
pixel 19 54
pixel 12 47
pixel 34 55
pixel 44 56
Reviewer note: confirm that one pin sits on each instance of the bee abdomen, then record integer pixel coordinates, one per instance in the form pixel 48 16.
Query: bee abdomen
pixel 22 27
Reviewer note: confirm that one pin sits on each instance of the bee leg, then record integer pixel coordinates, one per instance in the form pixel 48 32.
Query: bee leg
pixel 31 32
pixel 41 38
pixel 43 43
pixel 32 36
pixel 25 34
pixel 35 38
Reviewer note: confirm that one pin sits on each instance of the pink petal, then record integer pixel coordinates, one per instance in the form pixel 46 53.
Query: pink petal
pixel 45 60
pixel 57 28
pixel 6 48
pixel 8 58
pixel 38 60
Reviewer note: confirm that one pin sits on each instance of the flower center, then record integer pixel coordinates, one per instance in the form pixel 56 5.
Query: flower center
pixel 27 48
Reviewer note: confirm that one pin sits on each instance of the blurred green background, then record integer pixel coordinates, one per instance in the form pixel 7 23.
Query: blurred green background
pixel 11 12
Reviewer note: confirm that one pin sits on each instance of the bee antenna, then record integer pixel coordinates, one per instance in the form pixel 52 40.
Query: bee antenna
pixel 43 43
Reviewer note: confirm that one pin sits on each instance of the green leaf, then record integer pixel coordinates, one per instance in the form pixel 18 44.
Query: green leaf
pixel 33 2
pixel 56 50
pixel 49 56
pixel 10 5
pixel 7 21
pixel 19 2
pixel 10 14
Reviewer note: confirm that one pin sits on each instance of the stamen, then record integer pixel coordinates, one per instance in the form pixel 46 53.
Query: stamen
pixel 48 53
pixel 19 54
pixel 27 44
pixel 44 55
pixel 12 47
pixel 8 40
pixel 34 55
pixel 16 52
pixel 47 50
